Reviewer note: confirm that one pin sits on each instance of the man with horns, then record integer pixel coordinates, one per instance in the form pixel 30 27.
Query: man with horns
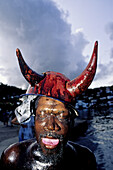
pixel 51 98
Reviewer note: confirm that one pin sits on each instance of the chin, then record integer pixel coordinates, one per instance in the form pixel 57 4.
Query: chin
pixel 52 154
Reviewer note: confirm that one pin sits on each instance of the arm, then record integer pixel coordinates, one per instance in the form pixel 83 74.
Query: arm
pixel 92 162
pixel 15 121
pixel 88 158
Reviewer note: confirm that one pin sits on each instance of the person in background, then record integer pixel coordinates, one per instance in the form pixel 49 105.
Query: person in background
pixel 5 117
pixel 11 115
pixel 26 130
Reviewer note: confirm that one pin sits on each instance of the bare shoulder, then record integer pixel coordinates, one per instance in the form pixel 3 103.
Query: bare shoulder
pixel 11 156
pixel 85 156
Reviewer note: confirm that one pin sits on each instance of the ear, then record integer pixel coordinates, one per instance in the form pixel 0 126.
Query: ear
pixel 33 104
pixel 71 123
pixel 32 107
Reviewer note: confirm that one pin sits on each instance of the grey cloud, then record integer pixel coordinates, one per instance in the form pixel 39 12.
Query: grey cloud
pixel 109 30
pixel 104 73
pixel 106 68
pixel 111 54
pixel 40 30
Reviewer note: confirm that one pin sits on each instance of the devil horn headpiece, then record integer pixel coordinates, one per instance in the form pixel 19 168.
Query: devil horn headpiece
pixel 55 84
pixel 31 76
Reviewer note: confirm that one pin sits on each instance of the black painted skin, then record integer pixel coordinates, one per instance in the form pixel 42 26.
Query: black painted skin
pixel 26 155
pixel 52 122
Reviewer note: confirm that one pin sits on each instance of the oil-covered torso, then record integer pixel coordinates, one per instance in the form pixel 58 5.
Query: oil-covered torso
pixel 30 157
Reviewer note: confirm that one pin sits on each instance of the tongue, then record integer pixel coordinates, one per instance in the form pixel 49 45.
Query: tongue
pixel 51 142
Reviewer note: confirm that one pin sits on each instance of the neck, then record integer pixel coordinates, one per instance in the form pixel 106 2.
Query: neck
pixel 49 161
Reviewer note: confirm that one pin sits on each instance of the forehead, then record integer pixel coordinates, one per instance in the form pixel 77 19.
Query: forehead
pixel 50 102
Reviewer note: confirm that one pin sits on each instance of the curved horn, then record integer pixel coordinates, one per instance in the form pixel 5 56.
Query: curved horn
pixel 82 82
pixel 31 76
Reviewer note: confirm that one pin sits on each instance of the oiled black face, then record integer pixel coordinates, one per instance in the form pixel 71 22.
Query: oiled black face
pixel 51 124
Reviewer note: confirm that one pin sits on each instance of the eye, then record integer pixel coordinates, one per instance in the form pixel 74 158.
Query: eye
pixel 41 114
pixel 62 115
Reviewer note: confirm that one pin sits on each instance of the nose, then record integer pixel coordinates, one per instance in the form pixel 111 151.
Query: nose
pixel 51 124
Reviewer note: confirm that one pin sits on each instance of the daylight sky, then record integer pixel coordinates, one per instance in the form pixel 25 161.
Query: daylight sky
pixel 56 35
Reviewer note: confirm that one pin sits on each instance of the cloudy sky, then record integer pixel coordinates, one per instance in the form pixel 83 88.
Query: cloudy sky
pixel 56 35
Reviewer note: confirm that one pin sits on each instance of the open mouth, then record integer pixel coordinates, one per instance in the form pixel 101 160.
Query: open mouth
pixel 50 143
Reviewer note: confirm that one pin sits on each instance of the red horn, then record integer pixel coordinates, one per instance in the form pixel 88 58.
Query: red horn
pixel 82 82
pixel 31 76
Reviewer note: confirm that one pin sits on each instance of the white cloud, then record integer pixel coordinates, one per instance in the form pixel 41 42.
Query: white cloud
pixel 79 30
pixel 41 32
